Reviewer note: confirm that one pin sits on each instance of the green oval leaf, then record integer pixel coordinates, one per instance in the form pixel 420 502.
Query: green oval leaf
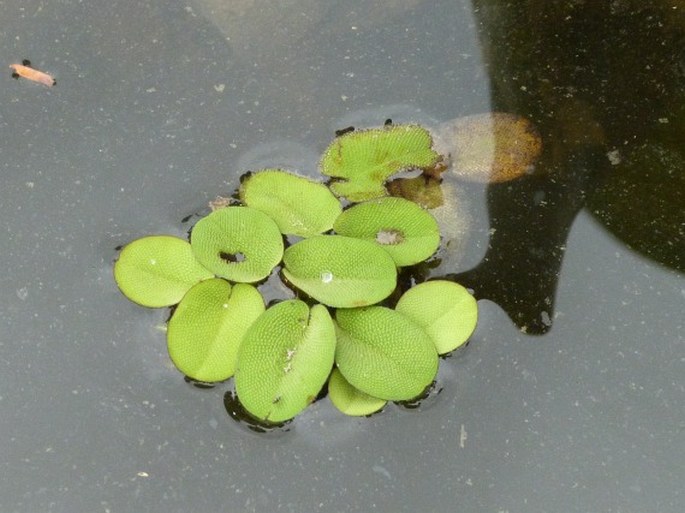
pixel 340 271
pixel 284 360
pixel 384 353
pixel 349 400
pixel 205 332
pixel 365 159
pixel 238 243
pixel 157 271
pixel 298 206
pixel 444 309
pixel 401 227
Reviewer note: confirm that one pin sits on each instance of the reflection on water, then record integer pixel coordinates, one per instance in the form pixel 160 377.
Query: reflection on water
pixel 602 81
pixel 240 415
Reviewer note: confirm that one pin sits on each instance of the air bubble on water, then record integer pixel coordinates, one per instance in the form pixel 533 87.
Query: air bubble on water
pixel 326 276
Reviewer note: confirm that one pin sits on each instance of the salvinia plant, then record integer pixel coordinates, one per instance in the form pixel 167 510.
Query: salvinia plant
pixel 342 264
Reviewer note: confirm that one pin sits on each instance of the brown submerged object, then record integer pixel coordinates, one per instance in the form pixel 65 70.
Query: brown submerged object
pixel 489 148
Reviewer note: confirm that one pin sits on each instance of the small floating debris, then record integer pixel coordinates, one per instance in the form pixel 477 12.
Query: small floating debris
pixel 24 70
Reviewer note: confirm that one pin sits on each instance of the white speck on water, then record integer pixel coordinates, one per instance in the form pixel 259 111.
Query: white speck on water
pixel 539 198
pixel 153 261
pixel 544 317
pixel 326 277
pixel 462 436
pixel 381 470
pixel 23 293
pixel 614 157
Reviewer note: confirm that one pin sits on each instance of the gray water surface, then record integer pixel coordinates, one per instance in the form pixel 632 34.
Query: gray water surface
pixel 158 108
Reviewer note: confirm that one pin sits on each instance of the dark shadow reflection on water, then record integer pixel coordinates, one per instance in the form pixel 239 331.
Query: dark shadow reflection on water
pixel 603 84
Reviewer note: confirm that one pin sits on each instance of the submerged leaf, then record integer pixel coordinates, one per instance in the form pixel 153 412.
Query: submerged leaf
pixel 349 400
pixel 298 206
pixel 490 148
pixel 401 227
pixel 425 191
pixel 339 271
pixel 384 353
pixel 157 271
pixel 238 243
pixel 444 309
pixel 365 159
pixel 206 329
pixel 284 360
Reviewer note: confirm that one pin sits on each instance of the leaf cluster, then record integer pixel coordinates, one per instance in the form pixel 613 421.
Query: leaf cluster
pixel 341 264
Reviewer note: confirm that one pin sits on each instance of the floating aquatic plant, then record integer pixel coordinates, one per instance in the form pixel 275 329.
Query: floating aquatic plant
pixel 342 272
pixel 401 227
pixel 298 206
pixel 282 356
pixel 350 400
pixel 363 160
pixel 157 271
pixel 208 325
pixel 383 353
pixel 445 310
pixel 284 360
pixel 238 243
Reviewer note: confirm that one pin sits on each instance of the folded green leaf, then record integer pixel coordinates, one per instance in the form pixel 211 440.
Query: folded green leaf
pixel 384 353
pixel 284 360
pixel 206 329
